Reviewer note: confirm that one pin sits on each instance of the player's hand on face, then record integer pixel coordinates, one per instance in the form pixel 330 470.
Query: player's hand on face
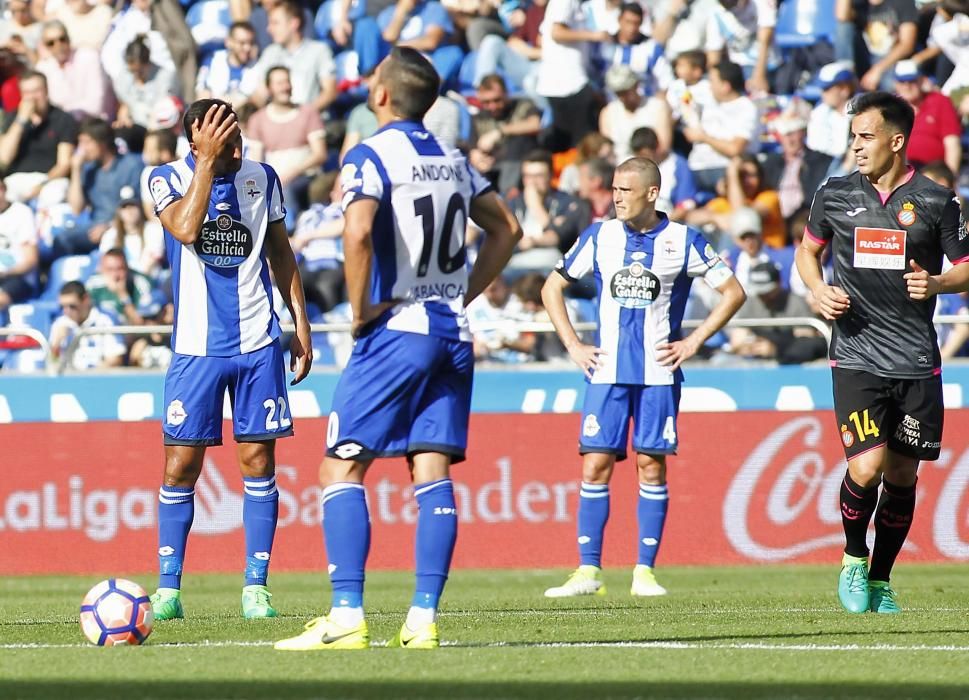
pixel 300 354
pixel 672 355
pixel 213 133
pixel 833 302
pixel 919 283
pixel 587 357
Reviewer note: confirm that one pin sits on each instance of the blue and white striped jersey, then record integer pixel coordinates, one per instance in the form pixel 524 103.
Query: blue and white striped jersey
pixel 642 284
pixel 424 189
pixel 223 295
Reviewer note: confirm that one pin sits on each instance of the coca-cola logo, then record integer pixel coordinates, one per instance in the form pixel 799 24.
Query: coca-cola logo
pixel 783 502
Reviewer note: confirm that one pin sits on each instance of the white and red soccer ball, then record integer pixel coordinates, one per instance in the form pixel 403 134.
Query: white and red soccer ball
pixel 116 611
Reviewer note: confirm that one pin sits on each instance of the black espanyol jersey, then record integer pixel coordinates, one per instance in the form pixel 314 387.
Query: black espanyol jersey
pixel 884 332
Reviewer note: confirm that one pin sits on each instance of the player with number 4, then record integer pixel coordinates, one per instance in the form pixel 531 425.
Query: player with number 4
pixel 643 265
pixel 223 219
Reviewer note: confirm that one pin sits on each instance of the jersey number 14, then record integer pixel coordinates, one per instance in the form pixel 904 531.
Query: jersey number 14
pixel 446 262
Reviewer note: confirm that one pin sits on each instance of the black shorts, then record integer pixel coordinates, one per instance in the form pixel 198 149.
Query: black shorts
pixel 904 413
pixel 17 288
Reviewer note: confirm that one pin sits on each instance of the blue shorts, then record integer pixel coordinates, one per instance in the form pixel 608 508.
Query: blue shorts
pixel 195 390
pixel 608 408
pixel 402 393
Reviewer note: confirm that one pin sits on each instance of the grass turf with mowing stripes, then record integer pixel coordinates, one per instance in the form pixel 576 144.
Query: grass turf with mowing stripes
pixel 754 632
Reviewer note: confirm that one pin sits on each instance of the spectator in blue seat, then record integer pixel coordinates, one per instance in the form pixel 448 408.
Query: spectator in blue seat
pixel 505 128
pixel 142 241
pixel 139 87
pixel 830 124
pixel 425 26
pixel 743 32
pixel 119 290
pixel 630 110
pixel 98 172
pixel 78 311
pixel 18 251
pixel 796 172
pixel 516 56
pixel 310 62
pixel 223 74
pixel 629 46
pixel 551 220
pixel 318 243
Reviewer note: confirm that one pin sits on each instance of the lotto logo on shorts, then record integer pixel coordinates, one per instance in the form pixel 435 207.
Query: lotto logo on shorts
pixel 879 248
pixel 846 437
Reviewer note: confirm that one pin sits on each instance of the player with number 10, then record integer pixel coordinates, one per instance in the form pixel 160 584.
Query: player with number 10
pixel 407 388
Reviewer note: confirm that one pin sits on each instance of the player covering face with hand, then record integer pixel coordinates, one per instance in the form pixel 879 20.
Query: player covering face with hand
pixel 407 388
pixel 890 228
pixel 643 265
pixel 223 219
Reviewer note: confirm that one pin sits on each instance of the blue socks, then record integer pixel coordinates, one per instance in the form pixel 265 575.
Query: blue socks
pixel 593 514
pixel 260 510
pixel 346 530
pixel 176 510
pixel 437 531
pixel 651 513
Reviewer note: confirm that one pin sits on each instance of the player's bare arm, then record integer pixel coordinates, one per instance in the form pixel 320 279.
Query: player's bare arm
pixel 832 300
pixel 923 286
pixel 357 263
pixel 553 296
pixel 283 264
pixel 732 297
pixel 212 136
pixel 502 233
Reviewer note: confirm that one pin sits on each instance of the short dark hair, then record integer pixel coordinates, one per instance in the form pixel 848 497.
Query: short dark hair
pixel 633 7
pixel 73 288
pixel 492 81
pixel 955 7
pixel 697 58
pixel 528 287
pixel 167 140
pixel 732 74
pixel 30 75
pixel 276 69
pixel 116 253
pixel 894 110
pixel 539 156
pixel 413 82
pixel 138 50
pixel 643 138
pixel 242 24
pixel 602 169
pixel 98 130
pixel 197 110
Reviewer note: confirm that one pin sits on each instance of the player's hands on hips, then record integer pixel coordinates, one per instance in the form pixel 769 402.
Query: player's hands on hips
pixel 369 314
pixel 213 133
pixel 587 357
pixel 921 285
pixel 300 353
pixel 672 355
pixel 832 301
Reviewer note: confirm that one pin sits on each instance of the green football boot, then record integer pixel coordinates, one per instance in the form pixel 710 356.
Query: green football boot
pixel 166 604
pixel 255 602
pixel 853 584
pixel 883 598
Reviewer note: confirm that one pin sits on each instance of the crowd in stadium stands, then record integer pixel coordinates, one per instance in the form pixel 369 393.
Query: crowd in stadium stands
pixel 742 103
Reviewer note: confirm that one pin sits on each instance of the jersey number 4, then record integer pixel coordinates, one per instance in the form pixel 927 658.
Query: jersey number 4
pixel 448 263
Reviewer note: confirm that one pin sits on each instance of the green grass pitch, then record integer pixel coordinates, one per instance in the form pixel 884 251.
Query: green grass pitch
pixel 751 632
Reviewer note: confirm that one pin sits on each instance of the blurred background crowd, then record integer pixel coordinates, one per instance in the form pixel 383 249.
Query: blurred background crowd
pixel 740 102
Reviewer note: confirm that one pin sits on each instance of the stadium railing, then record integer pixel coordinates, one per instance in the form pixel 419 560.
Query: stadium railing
pixel 524 327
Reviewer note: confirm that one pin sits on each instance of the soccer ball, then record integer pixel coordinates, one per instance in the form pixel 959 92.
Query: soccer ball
pixel 116 611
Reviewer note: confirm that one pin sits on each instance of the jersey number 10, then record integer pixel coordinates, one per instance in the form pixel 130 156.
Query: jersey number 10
pixel 448 263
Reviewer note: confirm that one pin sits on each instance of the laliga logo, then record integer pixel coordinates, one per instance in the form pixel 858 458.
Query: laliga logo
pixel 803 482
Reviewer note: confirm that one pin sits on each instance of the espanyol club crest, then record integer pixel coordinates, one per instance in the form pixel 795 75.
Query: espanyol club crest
pixel 906 216
pixel 846 437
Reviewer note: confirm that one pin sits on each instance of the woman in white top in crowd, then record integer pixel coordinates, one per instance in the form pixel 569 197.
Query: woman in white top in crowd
pixel 143 241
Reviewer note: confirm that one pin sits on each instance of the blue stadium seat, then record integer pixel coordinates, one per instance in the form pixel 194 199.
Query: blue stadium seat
pixel 209 22
pixel 324 16
pixel 68 269
pixel 804 22
pixel 37 314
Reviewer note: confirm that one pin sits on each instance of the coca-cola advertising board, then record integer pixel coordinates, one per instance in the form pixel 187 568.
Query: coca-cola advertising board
pixel 747 487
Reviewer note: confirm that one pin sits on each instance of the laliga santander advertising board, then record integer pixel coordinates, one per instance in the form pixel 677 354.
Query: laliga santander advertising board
pixel 748 487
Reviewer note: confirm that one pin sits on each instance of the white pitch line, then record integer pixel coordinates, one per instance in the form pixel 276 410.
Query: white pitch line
pixel 664 645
